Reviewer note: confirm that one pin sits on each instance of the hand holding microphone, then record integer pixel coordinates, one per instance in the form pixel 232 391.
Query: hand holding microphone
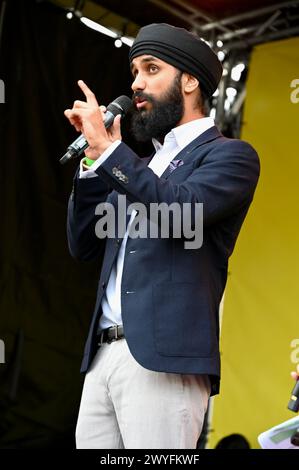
pixel 99 128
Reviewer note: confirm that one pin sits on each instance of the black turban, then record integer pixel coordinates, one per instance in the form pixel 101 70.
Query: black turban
pixel 183 50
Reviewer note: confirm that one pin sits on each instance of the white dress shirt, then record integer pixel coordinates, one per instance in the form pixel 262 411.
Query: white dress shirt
pixel 177 139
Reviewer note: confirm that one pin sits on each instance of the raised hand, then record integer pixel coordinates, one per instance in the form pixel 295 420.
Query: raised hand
pixel 88 118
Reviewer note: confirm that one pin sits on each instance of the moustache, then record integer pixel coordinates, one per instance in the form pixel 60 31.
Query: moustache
pixel 139 96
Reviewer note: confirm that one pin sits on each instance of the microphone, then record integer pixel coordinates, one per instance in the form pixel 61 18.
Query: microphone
pixel 120 105
pixel 294 400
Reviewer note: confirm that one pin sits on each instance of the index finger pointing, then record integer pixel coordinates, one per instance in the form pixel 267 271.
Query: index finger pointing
pixel 90 97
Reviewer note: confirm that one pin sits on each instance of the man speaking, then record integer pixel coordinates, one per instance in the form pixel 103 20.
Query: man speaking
pixel 152 355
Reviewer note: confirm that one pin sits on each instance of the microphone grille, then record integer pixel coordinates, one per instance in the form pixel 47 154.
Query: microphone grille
pixel 124 102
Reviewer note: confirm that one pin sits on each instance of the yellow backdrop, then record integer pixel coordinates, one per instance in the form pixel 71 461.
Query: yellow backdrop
pixel 261 314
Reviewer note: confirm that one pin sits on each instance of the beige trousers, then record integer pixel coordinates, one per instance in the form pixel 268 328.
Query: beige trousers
pixel 124 405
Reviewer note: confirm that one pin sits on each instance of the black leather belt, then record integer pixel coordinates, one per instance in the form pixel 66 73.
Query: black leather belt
pixel 111 334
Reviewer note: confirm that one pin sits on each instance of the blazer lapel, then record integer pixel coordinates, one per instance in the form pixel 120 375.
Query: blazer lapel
pixel 183 157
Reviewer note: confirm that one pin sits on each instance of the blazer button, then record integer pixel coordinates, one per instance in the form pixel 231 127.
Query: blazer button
pixel 103 285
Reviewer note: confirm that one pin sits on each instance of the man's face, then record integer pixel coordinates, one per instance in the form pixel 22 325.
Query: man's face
pixel 158 98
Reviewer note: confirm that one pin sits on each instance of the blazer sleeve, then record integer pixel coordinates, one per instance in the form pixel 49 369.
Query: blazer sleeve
pixel 224 180
pixel 87 193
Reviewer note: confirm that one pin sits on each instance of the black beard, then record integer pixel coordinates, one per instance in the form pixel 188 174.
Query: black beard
pixel 164 115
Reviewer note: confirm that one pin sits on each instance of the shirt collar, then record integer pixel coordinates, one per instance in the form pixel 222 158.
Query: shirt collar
pixel 185 133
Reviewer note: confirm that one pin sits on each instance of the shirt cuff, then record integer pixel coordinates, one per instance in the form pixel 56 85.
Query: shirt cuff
pixel 90 173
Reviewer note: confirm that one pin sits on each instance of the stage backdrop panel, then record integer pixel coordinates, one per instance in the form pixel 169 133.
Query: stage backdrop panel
pixel 260 328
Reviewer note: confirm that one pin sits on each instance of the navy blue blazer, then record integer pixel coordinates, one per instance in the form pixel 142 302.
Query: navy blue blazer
pixel 170 295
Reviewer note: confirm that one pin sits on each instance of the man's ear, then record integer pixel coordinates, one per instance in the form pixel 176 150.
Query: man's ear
pixel 189 83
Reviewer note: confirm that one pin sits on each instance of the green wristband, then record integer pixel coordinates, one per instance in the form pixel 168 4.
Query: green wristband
pixel 88 161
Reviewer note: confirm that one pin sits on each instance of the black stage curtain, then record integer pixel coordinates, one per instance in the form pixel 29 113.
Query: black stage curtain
pixel 46 297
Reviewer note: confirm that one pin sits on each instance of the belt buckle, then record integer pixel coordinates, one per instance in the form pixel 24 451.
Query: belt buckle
pixel 115 331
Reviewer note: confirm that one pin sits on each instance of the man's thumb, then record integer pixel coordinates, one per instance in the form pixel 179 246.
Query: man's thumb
pixel 116 133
